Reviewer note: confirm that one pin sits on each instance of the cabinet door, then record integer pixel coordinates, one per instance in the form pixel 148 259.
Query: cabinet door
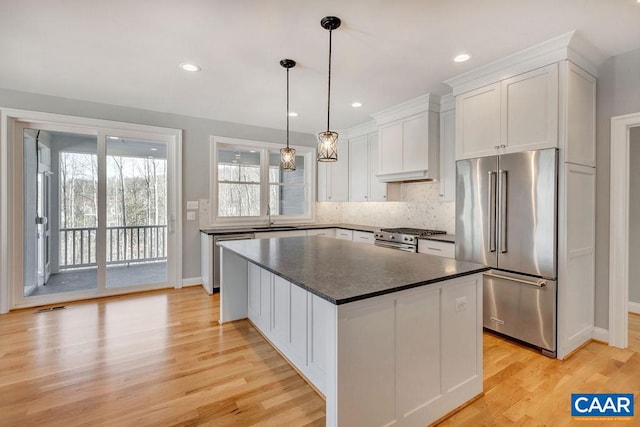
pixel 447 156
pixel 415 147
pixel 280 311
pixel 338 176
pixel 530 110
pixel 377 189
pixel 323 174
pixel 478 122
pixel 298 322
pixel 390 159
pixel 359 169
pixel 253 303
pixel 264 317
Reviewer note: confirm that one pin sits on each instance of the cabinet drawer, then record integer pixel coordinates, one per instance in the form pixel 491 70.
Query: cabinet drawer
pixel 327 232
pixel 433 247
pixel 344 234
pixel 363 237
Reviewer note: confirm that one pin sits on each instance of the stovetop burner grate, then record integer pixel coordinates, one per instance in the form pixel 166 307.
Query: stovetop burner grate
pixel 413 231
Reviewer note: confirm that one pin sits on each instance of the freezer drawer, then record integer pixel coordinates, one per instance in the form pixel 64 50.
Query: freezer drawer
pixel 521 307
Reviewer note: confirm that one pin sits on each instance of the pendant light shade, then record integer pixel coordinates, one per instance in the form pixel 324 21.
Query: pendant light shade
pixel 288 155
pixel 328 140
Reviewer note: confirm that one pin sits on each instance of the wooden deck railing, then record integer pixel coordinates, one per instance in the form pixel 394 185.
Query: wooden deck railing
pixel 131 244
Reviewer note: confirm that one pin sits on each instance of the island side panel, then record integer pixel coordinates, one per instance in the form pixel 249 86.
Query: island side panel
pixel 233 286
pixel 408 358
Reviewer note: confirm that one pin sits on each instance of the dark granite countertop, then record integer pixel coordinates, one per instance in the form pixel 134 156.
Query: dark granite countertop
pixel 341 271
pixel 449 238
pixel 263 229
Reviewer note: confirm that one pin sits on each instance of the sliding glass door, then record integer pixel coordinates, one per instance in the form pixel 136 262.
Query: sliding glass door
pixel 95 209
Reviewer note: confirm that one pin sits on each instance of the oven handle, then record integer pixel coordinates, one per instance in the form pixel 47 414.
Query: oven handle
pixel 406 248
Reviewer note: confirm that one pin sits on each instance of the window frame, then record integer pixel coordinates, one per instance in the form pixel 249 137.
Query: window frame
pixel 263 219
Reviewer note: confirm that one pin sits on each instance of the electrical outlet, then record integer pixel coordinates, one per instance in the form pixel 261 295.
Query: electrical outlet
pixel 461 304
pixel 192 204
pixel 191 216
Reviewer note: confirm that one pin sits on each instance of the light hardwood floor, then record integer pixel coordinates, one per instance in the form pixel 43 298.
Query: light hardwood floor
pixel 160 358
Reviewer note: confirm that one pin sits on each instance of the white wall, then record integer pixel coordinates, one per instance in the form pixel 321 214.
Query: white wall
pixel 419 207
pixel 634 215
pixel 195 147
pixel 618 93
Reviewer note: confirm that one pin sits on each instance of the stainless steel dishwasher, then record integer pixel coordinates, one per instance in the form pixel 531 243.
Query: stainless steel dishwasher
pixel 216 254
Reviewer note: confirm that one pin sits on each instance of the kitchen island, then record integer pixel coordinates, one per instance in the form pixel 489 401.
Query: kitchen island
pixel 388 337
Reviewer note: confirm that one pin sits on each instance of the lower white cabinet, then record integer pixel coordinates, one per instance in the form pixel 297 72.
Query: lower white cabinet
pixel 327 232
pixel 434 247
pixel 342 234
pixel 294 320
pixel 363 237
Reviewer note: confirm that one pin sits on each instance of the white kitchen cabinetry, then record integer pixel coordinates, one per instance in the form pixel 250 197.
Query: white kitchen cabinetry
pixel 515 114
pixel 327 232
pixel 547 99
pixel 363 237
pixel 294 320
pixel 364 185
pixel 342 234
pixel 447 149
pixel 333 177
pixel 409 140
pixel 438 248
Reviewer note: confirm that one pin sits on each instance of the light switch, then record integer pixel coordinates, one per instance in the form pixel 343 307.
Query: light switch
pixel 192 204
pixel 191 216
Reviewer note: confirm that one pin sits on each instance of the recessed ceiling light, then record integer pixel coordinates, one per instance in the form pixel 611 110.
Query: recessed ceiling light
pixel 189 67
pixel 154 149
pixel 293 114
pixel 356 104
pixel 113 137
pixel 252 151
pixel 462 57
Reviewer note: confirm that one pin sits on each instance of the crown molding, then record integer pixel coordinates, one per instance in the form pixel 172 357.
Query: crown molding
pixel 421 104
pixel 447 102
pixel 569 46
pixel 362 129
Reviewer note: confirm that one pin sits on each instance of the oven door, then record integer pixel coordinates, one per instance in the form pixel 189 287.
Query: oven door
pixel 399 246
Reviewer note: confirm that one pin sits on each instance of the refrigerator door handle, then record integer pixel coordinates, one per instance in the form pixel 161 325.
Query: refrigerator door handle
pixel 540 283
pixel 491 224
pixel 502 183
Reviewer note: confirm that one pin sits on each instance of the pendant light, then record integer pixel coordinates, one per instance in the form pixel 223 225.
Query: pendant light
pixel 328 140
pixel 288 155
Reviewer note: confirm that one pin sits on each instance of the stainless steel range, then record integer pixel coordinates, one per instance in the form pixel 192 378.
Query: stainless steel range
pixel 404 239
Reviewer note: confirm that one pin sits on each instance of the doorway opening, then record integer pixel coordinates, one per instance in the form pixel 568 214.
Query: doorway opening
pixel 95 208
pixel 625 130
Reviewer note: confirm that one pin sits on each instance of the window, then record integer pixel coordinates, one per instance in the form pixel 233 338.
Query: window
pixel 248 186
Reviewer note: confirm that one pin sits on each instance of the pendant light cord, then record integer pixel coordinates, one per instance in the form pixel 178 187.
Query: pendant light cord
pixel 287 108
pixel 329 85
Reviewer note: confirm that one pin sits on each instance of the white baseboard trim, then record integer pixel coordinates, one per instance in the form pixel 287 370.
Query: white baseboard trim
pixel 600 334
pixel 634 307
pixel 192 281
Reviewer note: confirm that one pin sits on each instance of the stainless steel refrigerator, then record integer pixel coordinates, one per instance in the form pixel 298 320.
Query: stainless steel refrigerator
pixel 506 218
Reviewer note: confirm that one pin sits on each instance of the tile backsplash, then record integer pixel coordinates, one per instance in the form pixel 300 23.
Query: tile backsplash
pixel 419 207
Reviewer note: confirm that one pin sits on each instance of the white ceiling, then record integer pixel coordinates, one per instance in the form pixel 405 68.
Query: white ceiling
pixel 126 52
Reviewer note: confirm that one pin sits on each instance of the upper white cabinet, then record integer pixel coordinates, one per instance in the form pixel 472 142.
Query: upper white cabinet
pixel 447 149
pixel 580 112
pixel 409 140
pixel 364 185
pixel 333 177
pixel 515 114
